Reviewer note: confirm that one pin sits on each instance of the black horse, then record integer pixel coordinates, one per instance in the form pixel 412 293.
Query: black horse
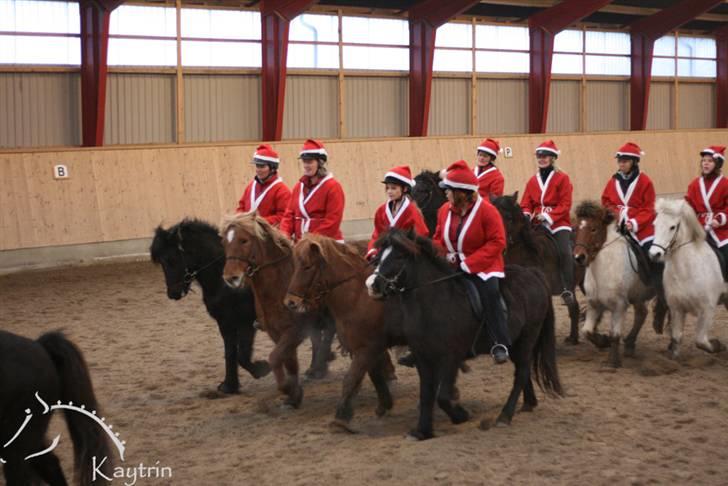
pixel 429 196
pixel 532 246
pixel 191 250
pixel 53 369
pixel 442 330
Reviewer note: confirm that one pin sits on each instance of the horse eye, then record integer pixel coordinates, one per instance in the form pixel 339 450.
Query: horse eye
pixel 672 227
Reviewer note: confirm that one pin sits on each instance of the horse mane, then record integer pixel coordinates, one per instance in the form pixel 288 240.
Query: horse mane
pixel 414 245
pixel 176 234
pixel 509 203
pixel 681 209
pixel 257 226
pixel 429 176
pixel 331 250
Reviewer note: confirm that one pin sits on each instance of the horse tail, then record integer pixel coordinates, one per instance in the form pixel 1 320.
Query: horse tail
pixel 89 440
pixel 544 355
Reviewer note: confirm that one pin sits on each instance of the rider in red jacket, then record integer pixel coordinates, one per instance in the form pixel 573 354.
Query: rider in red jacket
pixel 267 193
pixel 470 230
pixel 490 179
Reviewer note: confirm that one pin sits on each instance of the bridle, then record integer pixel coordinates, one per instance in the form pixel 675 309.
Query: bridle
pixel 254 268
pixel 320 288
pixel 392 285
pixel 671 245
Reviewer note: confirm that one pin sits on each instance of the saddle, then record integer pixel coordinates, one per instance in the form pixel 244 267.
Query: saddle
pixel 476 305
pixel 721 260
pixel 644 264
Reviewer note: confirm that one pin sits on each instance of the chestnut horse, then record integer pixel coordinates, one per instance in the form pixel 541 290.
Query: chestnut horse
pixel 331 274
pixel 259 256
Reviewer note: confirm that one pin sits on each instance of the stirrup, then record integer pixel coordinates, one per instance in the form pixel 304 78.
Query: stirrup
pixel 567 296
pixel 499 346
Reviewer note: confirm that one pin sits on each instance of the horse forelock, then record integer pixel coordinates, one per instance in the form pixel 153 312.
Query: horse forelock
pixel 589 210
pixel 256 226
pixel 679 208
pixel 333 251
pixel 176 235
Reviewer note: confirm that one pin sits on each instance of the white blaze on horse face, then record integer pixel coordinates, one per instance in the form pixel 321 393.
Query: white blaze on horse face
pixel 370 284
pixel 387 251
pixel 230 235
pixel 582 224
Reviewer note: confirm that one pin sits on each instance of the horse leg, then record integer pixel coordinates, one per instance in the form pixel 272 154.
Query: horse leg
pixel 246 339
pixel 615 359
pixel 321 341
pixel 428 386
pixel 280 356
pixel 447 394
pixel 379 374
pixel 360 363
pixel 704 326
pixel 589 329
pixel 49 469
pixel 529 396
pixel 294 390
pixel 521 376
pixel 640 316
pixel 676 332
pixel 229 333
pixel 573 337
pixel 16 473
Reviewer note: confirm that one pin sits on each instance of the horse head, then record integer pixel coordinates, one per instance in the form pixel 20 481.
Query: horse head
pixel 249 242
pixel 675 225
pixel 168 250
pixel 429 196
pixel 516 223
pixel 396 249
pixel 590 231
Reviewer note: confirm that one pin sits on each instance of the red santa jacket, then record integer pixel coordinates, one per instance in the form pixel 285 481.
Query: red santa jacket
pixel 482 240
pixel 709 199
pixel 637 206
pixel 320 211
pixel 490 182
pixel 551 198
pixel 408 216
pixel 270 199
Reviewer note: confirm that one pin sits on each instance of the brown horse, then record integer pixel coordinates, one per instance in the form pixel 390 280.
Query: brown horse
pixel 529 247
pixel 331 274
pixel 259 256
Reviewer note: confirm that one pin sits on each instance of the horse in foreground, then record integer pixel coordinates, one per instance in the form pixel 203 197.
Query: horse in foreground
pixel 51 367
pixel 191 251
pixel 530 247
pixel 612 282
pixel 333 275
pixel 442 330
pixel 693 281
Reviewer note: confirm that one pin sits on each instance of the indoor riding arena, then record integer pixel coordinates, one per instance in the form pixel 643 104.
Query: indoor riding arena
pixel 357 242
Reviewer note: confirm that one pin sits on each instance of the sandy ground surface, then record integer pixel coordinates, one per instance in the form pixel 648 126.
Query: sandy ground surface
pixel 154 363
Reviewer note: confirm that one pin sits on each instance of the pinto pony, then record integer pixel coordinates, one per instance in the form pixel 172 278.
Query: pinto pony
pixel 611 282
pixel 693 281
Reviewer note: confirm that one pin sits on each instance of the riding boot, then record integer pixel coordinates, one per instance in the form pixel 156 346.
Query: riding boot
pixel 563 239
pixel 495 319
pixel 724 253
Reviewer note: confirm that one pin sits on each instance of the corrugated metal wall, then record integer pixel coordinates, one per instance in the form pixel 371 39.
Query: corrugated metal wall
pixel 564 106
pixel 608 105
pixel 696 104
pixel 222 107
pixel 376 106
pixel 311 107
pixel 39 109
pixel 450 106
pixel 502 106
pixel 659 116
pixel 140 108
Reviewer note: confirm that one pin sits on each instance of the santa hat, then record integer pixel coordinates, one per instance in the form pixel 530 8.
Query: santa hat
pixel 630 149
pixel 459 176
pixel 265 154
pixel 312 148
pixel 717 151
pixel 548 146
pixel 490 146
pixel 402 174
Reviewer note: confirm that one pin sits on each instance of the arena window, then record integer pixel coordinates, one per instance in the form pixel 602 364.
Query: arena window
pixel 314 42
pixel 696 57
pixel 143 36
pixel 39 20
pixel 372 43
pixel 501 49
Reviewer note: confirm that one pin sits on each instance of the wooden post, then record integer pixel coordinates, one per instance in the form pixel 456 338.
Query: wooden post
pixel 180 119
pixel 341 105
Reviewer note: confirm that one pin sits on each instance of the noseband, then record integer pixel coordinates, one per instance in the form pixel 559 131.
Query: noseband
pixel 673 240
pixel 253 267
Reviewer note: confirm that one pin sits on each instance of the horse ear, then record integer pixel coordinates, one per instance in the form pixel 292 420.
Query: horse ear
pixel 608 217
pixel 411 234
pixel 515 196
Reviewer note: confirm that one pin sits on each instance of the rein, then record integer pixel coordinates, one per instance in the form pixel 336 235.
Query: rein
pixel 323 288
pixel 671 246
pixel 191 275
pixel 253 267
pixel 391 283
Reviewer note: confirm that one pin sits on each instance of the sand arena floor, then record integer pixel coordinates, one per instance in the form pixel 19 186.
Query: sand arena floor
pixel 156 362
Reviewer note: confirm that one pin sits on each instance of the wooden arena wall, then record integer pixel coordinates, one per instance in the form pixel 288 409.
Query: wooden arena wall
pixel 118 193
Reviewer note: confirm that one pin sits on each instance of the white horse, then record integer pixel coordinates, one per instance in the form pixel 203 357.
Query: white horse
pixel 611 282
pixel 693 281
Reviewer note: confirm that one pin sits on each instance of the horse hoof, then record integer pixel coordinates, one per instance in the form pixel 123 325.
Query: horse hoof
pixel 717 345
pixel 460 416
pixel 316 374
pixel 407 360
pixel 228 389
pixel 503 421
pixel 294 400
pixel 260 369
pixel 571 340
pixel 601 341
pixel 629 351
pixel 331 357
pixel 485 425
pixel 418 435
pixel 338 425
pixel 527 407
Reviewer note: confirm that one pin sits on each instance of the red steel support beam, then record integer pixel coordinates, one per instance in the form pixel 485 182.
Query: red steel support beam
pixel 95 16
pixel 424 19
pixel 543 27
pixel 721 37
pixel 644 32
pixel 275 17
